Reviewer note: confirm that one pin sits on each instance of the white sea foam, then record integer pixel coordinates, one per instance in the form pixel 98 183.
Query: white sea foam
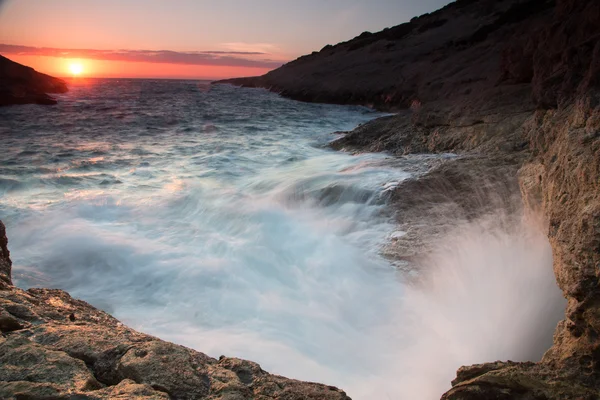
pixel 251 240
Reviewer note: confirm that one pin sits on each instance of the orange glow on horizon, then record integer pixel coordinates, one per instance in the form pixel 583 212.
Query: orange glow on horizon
pixel 64 68
pixel 76 68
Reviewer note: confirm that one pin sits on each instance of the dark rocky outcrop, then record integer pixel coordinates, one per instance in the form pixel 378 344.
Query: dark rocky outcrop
pixel 509 85
pixel 5 262
pixel 53 346
pixel 444 55
pixel 24 85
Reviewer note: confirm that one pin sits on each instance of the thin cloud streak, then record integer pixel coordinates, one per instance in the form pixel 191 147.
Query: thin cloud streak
pixel 242 47
pixel 213 58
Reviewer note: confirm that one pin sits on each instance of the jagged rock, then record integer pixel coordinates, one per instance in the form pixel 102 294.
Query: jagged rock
pixel 26 361
pixel 564 180
pixel 5 262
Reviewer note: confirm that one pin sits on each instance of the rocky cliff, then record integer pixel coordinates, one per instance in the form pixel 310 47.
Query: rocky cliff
pixel 510 85
pixel 23 85
pixel 55 347
pixel 454 52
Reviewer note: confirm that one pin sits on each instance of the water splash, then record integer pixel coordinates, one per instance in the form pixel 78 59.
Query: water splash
pixel 221 223
pixel 488 293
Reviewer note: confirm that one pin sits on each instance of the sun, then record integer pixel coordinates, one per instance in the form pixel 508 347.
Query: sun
pixel 76 68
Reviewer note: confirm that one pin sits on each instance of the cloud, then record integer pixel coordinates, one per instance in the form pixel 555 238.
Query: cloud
pixel 251 47
pixel 235 57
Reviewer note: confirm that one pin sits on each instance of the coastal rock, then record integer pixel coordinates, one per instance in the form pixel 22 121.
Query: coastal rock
pixel 445 55
pixel 5 262
pixel 565 168
pixel 456 191
pixel 56 347
pixel 23 85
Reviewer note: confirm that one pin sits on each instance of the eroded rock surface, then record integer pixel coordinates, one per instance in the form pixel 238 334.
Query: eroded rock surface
pixel 56 347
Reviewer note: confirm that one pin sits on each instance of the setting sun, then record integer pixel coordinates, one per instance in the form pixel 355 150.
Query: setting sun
pixel 76 68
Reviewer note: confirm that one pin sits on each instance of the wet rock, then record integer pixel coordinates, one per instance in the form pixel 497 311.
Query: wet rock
pixel 452 193
pixel 470 372
pixel 563 180
pixel 5 262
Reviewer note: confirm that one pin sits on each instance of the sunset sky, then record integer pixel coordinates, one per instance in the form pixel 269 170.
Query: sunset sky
pixel 204 39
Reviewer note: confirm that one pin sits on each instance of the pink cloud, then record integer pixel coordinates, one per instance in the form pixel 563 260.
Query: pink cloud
pixel 236 57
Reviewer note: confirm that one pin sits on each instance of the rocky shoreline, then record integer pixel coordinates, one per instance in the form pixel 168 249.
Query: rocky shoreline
pixel 513 87
pixel 23 85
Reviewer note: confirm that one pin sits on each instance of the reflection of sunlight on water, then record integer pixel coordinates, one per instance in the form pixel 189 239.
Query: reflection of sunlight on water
pixel 96 197
pixel 89 146
pixel 175 185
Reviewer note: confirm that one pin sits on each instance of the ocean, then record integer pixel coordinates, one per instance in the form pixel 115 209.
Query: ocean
pixel 218 218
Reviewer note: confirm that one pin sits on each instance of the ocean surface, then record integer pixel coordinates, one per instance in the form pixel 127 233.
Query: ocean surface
pixel 217 217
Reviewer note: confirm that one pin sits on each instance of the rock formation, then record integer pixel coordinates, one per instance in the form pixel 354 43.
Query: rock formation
pixel 514 84
pixel 55 347
pixel 23 85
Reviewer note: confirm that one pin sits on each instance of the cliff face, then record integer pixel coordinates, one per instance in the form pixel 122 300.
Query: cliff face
pixel 445 55
pixel 23 85
pixel 55 347
pixel 515 84
pixel 564 137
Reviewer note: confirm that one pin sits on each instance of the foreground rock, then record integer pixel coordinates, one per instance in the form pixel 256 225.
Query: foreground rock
pixel 55 347
pixel 509 85
pixel 23 85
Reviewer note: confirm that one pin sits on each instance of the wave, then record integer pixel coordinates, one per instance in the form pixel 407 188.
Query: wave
pixel 263 244
pixel 9 185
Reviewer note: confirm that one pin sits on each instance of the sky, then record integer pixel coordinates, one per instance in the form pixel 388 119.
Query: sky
pixel 204 39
